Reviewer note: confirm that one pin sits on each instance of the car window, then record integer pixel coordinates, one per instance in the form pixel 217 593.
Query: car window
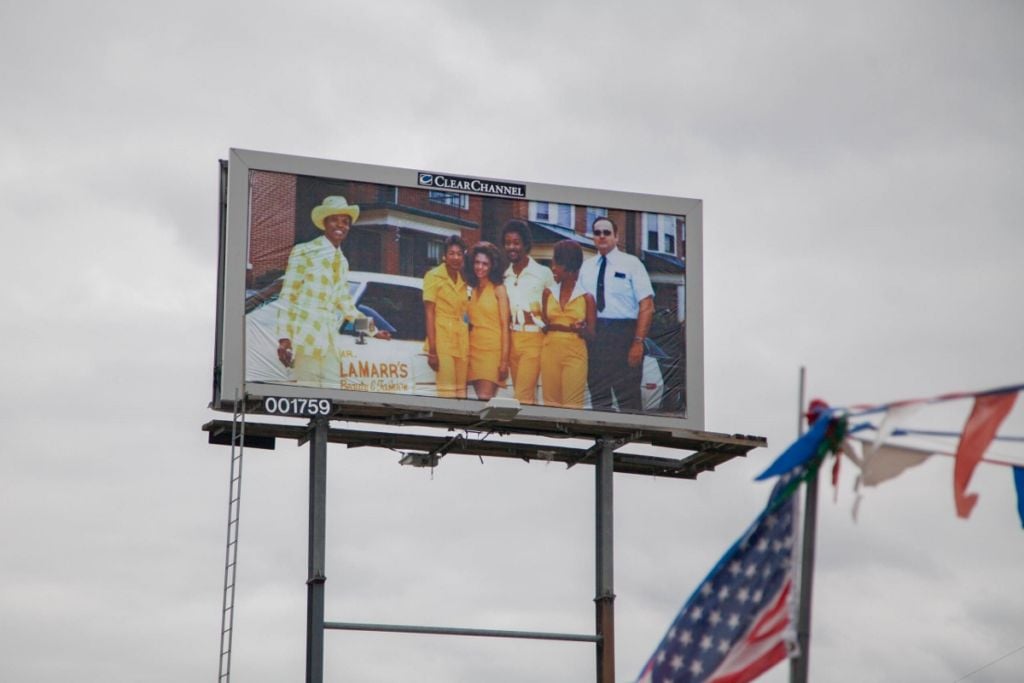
pixel 400 305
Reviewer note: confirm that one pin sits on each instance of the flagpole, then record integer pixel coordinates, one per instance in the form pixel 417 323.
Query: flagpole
pixel 799 665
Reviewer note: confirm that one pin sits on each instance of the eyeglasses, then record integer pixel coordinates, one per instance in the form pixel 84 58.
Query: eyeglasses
pixel 602 233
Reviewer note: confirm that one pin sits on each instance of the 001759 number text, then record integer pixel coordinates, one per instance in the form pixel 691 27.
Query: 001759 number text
pixel 279 405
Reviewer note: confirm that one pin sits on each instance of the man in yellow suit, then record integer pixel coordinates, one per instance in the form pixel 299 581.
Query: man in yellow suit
pixel 315 300
pixel 525 282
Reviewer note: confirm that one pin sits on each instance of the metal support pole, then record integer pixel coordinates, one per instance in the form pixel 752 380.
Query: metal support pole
pixel 453 631
pixel 605 595
pixel 800 664
pixel 317 552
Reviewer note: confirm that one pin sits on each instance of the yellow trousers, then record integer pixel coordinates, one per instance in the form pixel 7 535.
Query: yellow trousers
pixel 524 364
pixel 563 370
pixel 451 376
pixel 317 372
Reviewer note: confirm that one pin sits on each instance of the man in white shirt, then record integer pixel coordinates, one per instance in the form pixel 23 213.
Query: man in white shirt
pixel 525 282
pixel 622 289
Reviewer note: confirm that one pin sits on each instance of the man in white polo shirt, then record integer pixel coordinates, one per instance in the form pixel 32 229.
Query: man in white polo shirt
pixel 525 282
pixel 625 306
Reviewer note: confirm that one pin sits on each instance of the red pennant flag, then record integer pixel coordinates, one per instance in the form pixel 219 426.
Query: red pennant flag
pixel 989 412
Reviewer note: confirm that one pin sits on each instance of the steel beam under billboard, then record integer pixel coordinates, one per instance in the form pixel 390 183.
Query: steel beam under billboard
pixel 386 291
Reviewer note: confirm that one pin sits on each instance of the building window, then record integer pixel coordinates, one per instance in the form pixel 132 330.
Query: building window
pixel 593 213
pixel 456 200
pixel 550 212
pixel 363 249
pixel 434 251
pixel 418 253
pixel 661 231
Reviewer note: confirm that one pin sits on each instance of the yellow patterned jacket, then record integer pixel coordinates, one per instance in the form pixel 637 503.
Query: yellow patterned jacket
pixel 315 299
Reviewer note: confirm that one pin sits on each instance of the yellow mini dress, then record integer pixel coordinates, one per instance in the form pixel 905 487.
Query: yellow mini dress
pixel 563 359
pixel 485 325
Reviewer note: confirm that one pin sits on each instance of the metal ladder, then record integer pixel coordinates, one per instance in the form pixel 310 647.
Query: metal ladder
pixel 227 616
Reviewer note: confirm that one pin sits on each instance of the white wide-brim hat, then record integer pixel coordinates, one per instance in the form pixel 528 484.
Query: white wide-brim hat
pixel 332 206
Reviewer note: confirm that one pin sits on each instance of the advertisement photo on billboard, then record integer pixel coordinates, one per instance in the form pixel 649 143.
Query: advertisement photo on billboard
pixel 404 286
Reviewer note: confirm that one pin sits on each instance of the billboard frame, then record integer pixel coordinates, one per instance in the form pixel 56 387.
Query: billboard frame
pixel 601 455
pixel 230 342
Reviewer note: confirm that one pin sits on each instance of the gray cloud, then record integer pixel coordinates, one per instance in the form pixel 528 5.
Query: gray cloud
pixel 860 172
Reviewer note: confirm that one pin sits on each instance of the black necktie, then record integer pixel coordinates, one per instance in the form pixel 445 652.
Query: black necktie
pixel 600 283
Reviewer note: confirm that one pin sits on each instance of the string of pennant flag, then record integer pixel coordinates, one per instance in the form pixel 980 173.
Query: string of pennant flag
pixel 880 460
pixel 741 620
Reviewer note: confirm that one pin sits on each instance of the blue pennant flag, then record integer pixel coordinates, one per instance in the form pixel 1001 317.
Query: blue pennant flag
pixel 1018 481
pixel 801 450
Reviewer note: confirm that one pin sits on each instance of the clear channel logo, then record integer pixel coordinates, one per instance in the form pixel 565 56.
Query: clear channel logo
pixel 459 184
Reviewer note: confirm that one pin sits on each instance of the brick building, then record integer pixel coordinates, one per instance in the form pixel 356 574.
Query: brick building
pixel 401 230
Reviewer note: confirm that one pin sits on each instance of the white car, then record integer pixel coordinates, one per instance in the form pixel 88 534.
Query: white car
pixel 395 302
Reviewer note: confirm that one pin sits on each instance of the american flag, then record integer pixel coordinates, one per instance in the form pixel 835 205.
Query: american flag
pixel 737 624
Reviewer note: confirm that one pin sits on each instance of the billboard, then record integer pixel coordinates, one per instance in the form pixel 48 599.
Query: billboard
pixel 395 289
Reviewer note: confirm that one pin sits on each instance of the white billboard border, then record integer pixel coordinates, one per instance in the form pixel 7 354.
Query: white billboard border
pixel 230 354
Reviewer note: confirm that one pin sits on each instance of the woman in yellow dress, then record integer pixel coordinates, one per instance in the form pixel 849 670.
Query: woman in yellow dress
pixel 570 316
pixel 445 302
pixel 489 336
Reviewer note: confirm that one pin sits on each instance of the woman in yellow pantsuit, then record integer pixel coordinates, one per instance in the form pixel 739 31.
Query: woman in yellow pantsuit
pixel 445 303
pixel 489 336
pixel 570 316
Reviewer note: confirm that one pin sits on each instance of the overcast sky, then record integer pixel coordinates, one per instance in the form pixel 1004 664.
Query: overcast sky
pixel 860 166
